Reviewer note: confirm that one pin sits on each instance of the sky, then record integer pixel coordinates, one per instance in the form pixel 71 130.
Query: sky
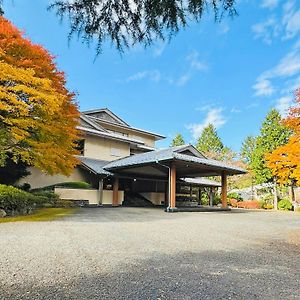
pixel 229 73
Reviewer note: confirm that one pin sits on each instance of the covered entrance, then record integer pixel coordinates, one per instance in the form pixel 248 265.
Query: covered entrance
pixel 172 166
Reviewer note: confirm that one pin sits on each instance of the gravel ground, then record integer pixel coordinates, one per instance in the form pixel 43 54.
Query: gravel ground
pixel 144 253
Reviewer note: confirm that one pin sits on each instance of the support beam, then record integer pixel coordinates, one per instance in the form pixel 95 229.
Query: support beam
pixel 224 190
pixel 211 197
pixel 100 191
pixel 115 200
pixel 172 195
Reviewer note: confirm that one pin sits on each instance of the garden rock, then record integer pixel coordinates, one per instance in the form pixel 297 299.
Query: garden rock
pixel 2 213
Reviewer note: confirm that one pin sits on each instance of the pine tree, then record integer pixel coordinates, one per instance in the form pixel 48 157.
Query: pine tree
pixel 210 144
pixel 178 140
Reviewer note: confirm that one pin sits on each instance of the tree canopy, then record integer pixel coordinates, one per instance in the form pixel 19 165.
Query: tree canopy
pixel 125 23
pixel 272 135
pixel 211 145
pixel 285 160
pixel 178 140
pixel 38 115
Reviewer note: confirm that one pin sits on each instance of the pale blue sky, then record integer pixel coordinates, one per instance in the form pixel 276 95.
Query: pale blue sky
pixel 229 74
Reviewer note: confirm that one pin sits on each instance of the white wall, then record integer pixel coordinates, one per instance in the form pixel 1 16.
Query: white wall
pixel 93 196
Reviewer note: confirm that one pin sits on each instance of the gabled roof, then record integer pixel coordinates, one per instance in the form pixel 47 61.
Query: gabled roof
pixel 172 154
pixel 94 165
pixel 113 118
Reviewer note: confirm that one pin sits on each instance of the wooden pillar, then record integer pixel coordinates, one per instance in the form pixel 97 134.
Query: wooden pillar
pixel 172 195
pixel 224 190
pixel 100 191
pixel 115 200
pixel 199 196
pixel 211 197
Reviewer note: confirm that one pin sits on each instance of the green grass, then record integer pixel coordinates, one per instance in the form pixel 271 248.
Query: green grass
pixel 43 214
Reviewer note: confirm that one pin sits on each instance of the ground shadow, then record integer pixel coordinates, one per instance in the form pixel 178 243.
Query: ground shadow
pixel 269 272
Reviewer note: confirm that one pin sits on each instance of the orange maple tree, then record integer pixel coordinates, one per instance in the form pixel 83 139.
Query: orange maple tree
pixel 285 160
pixel 38 115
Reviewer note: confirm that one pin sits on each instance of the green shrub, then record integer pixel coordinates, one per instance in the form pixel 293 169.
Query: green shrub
pixel 285 204
pixel 72 185
pixel 262 204
pixel 16 201
pixel 235 196
pixel 217 200
pixel 65 203
pixel 51 198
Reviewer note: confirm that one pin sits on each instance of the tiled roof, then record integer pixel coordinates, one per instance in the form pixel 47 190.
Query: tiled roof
pixel 172 153
pixel 94 165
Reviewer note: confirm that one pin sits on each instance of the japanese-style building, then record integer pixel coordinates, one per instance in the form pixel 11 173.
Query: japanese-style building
pixel 122 165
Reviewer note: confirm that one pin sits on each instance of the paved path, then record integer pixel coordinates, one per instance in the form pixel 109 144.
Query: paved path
pixel 144 253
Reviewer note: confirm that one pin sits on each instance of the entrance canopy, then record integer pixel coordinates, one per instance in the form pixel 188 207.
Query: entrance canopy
pixel 155 164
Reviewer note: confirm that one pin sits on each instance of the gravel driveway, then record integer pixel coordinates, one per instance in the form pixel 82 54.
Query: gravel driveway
pixel 145 253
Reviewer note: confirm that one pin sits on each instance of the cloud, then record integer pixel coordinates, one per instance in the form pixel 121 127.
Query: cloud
pixel 291 20
pixel 263 87
pixel 214 116
pixel 159 49
pixel 235 110
pixel 194 65
pixel 153 75
pixel 266 30
pixel 287 67
pixel 283 104
pixel 269 4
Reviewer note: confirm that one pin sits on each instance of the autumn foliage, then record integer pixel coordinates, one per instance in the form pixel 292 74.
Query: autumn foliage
pixel 285 160
pixel 38 115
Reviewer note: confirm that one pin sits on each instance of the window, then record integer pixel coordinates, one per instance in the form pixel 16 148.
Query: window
pixel 115 152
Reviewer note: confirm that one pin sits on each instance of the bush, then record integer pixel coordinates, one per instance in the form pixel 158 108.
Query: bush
pixel 16 201
pixel 268 206
pixel 72 185
pixel 285 204
pixel 217 200
pixel 235 196
pixel 51 198
pixel 253 204
pixel 233 202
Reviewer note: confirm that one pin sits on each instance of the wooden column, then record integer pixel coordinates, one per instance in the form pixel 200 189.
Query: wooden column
pixel 224 190
pixel 115 201
pixel 211 197
pixel 100 191
pixel 172 182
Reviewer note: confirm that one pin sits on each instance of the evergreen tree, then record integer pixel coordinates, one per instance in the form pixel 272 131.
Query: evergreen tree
pixel 247 149
pixel 210 144
pixel 178 140
pixel 272 135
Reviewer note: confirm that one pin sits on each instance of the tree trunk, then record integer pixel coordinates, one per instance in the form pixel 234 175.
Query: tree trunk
pixel 292 195
pixel 275 195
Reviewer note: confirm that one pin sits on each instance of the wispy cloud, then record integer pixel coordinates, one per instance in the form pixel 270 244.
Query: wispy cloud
pixel 153 75
pixel 159 49
pixel 194 65
pixel 214 116
pixel 269 4
pixel 287 68
pixel 284 23
pixel 263 87
pixel 266 30
pixel 283 104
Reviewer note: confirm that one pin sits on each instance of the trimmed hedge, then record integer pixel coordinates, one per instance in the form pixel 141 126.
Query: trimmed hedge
pixel 71 184
pixel 285 204
pixel 16 201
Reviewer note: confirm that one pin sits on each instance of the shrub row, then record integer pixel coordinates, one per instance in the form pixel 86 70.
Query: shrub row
pixel 71 184
pixel 283 204
pixel 15 201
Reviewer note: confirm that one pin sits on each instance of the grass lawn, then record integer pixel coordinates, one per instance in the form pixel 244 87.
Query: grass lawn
pixel 43 214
